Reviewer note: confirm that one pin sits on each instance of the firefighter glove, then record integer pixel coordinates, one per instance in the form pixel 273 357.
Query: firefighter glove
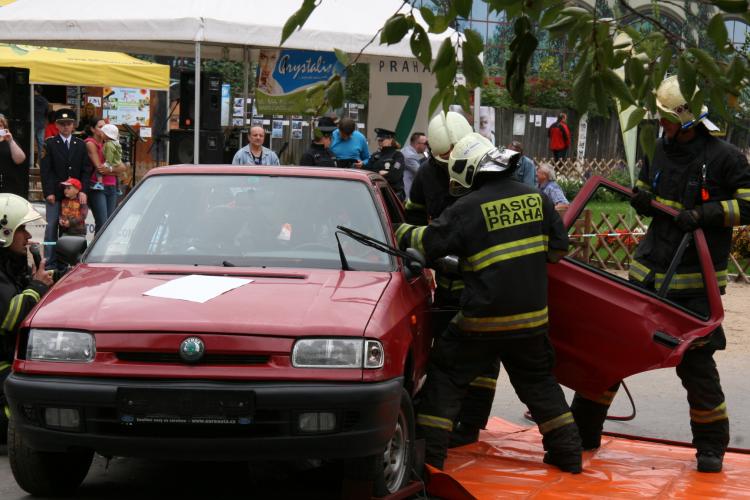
pixel 641 202
pixel 688 220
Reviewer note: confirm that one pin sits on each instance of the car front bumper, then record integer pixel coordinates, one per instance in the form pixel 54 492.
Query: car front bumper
pixel 365 417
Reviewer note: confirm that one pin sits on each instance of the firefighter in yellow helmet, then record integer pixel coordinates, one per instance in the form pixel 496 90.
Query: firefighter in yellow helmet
pixel 708 181
pixel 20 287
pixel 504 233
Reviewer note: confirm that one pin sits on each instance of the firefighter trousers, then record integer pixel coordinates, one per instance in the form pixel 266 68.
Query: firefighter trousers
pixel 476 405
pixel 457 360
pixel 709 420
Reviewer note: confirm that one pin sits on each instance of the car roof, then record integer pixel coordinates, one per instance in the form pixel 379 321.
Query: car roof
pixel 290 171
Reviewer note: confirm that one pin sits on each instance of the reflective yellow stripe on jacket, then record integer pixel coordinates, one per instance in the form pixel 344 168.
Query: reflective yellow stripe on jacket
pixel 14 308
pixel 670 203
pixel 531 319
pixel 449 284
pixel 742 194
pixel 506 251
pixel 731 212
pixel 689 281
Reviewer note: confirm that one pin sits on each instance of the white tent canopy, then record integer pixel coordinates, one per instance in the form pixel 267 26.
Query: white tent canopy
pixel 221 29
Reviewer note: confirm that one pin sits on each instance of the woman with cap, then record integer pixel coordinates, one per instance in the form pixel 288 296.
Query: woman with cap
pixel 319 153
pixel 388 161
pixel 20 287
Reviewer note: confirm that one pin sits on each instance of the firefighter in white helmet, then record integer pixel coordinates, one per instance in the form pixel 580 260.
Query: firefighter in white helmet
pixel 708 181
pixel 429 196
pixel 20 287
pixel 504 233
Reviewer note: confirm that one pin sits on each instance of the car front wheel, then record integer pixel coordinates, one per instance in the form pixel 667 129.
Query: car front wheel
pixel 45 473
pixel 391 470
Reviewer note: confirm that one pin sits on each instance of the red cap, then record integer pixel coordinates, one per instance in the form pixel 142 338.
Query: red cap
pixel 72 181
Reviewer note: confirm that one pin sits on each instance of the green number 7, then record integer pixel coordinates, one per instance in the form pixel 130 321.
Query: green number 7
pixel 413 93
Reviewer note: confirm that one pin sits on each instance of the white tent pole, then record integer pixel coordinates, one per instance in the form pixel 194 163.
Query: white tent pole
pixel 197 101
pixel 32 140
pixel 169 106
pixel 477 105
pixel 245 90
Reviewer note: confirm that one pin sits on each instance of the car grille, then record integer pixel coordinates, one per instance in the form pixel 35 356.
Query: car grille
pixel 265 423
pixel 208 359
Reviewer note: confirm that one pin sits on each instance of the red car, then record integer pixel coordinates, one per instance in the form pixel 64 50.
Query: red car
pixel 320 350
pixel 317 354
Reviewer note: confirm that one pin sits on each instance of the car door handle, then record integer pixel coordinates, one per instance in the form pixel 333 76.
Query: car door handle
pixel 666 339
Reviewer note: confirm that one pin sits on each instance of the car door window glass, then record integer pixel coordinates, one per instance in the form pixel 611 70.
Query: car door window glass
pixel 609 236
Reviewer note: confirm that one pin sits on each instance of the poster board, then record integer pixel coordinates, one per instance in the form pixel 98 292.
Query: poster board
pixel 127 106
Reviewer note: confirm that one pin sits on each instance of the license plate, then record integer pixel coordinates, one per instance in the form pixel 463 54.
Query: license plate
pixel 174 406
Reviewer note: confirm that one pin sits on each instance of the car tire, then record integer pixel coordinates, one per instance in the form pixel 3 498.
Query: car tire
pixel 391 470
pixel 45 473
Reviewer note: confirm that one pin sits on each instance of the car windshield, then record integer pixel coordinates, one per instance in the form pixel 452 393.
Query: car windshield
pixel 243 220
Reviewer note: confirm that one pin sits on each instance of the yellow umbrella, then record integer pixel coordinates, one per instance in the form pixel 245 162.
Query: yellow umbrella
pixel 58 66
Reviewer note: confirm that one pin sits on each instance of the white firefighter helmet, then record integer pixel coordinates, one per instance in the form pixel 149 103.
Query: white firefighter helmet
pixel 14 212
pixel 474 155
pixel 671 103
pixel 444 131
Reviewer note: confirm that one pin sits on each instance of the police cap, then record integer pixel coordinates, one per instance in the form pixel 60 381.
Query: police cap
pixel 65 115
pixel 383 133
pixel 326 124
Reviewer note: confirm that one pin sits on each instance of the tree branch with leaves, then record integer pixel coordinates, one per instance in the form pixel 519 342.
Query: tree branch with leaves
pixel 645 57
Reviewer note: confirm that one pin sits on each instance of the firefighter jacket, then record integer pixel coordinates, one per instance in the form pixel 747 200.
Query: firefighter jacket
pixel 502 231
pixel 429 194
pixel 428 197
pixel 706 174
pixel 389 162
pixel 317 155
pixel 18 295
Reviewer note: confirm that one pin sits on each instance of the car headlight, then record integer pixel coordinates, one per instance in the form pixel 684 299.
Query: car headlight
pixel 60 345
pixel 337 353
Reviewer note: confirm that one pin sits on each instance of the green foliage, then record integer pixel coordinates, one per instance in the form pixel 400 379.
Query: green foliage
pixel 231 72
pixel 357 87
pixel 707 62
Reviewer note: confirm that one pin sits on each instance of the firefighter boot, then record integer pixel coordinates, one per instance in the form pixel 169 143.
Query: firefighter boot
pixel 589 417
pixel 463 434
pixel 568 462
pixel 709 461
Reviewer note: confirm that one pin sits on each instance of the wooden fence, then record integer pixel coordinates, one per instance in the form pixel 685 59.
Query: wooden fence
pixel 609 242
pixel 574 169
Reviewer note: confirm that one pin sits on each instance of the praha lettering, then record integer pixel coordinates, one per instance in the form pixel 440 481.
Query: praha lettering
pixel 510 212
pixel 404 66
pixel 319 66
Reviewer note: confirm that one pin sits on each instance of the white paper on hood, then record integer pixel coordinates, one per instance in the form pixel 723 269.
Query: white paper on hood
pixel 196 287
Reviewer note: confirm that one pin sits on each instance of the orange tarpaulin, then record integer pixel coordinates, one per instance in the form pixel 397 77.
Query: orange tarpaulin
pixel 507 463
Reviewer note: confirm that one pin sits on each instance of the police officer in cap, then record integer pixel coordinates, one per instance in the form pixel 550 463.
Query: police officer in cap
pixel 388 161
pixel 65 157
pixel 319 153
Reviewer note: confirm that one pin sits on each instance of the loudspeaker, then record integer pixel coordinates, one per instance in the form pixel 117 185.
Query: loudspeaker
pixel 211 147
pixel 210 101
pixel 15 94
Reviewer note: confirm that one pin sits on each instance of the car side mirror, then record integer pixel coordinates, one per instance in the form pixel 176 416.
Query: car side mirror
pixel 415 264
pixel 70 248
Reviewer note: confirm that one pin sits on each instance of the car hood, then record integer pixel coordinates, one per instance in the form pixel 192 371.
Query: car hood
pixel 279 301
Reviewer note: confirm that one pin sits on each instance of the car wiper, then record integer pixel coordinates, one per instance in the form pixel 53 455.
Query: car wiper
pixel 226 263
pixel 376 244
